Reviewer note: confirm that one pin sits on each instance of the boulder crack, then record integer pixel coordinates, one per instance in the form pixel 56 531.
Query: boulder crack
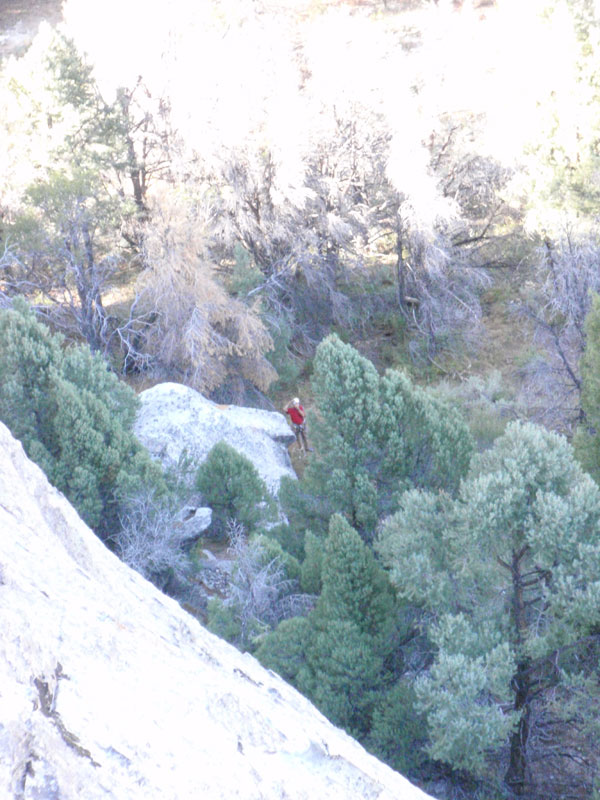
pixel 47 706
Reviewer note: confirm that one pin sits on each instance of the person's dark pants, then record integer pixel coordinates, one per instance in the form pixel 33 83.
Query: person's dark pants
pixel 301 437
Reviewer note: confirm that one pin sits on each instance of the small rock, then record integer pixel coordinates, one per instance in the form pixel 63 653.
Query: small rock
pixel 197 523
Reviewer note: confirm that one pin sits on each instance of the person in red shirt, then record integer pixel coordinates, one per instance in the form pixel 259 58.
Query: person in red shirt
pixel 298 419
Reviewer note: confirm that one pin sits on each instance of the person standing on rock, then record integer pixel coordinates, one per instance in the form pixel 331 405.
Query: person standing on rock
pixel 298 419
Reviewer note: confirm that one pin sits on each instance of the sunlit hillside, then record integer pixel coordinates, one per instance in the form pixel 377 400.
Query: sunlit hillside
pixel 398 140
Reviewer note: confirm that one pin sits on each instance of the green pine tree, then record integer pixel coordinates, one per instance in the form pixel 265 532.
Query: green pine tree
pixel 374 437
pixel 397 729
pixel 508 578
pixel 344 674
pixel 312 566
pixel 232 487
pixel 337 656
pixel 355 588
pixel 74 418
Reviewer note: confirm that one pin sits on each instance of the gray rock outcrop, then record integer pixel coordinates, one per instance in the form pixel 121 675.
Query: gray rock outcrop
pixel 174 418
pixel 110 690
pixel 194 521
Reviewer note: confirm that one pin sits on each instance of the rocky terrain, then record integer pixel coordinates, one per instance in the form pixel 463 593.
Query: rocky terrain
pixel 175 420
pixel 108 689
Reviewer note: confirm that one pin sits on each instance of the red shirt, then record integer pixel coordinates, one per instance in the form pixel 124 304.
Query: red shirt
pixel 296 414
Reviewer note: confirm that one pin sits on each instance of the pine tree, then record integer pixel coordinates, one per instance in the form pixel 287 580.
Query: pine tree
pixel 375 436
pixel 351 632
pixel 283 650
pixel 337 656
pixel 508 578
pixel 346 387
pixel 73 416
pixel 397 729
pixel 232 487
pixel 355 588
pixel 344 674
pixel 312 566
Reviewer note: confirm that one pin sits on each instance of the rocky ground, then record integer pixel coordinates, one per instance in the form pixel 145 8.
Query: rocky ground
pixel 111 690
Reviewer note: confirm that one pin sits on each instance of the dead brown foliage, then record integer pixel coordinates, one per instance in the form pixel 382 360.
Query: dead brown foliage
pixel 198 332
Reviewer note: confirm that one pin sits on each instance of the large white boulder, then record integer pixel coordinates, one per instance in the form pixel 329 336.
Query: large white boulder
pixel 174 418
pixel 110 690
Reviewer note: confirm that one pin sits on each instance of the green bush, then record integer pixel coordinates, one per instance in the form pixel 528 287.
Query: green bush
pixel 488 405
pixel 74 418
pixel 374 436
pixel 312 566
pixel 283 649
pixel 290 539
pixel 222 620
pixel 271 550
pixel 397 729
pixel 232 487
pixel 245 275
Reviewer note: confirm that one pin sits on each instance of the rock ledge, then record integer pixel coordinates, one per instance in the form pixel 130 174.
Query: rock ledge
pixel 110 690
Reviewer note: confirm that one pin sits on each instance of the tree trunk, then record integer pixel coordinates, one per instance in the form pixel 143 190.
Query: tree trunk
pixel 401 270
pixel 89 293
pixel 516 774
pixel 137 172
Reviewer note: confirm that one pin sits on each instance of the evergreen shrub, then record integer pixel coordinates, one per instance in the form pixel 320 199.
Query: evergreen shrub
pixel 232 487
pixel 74 418
pixel 375 436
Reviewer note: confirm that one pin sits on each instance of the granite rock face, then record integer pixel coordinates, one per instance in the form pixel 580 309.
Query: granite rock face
pixel 110 690
pixel 174 418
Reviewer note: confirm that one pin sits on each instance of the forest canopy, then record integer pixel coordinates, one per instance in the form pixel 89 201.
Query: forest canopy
pixel 254 175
